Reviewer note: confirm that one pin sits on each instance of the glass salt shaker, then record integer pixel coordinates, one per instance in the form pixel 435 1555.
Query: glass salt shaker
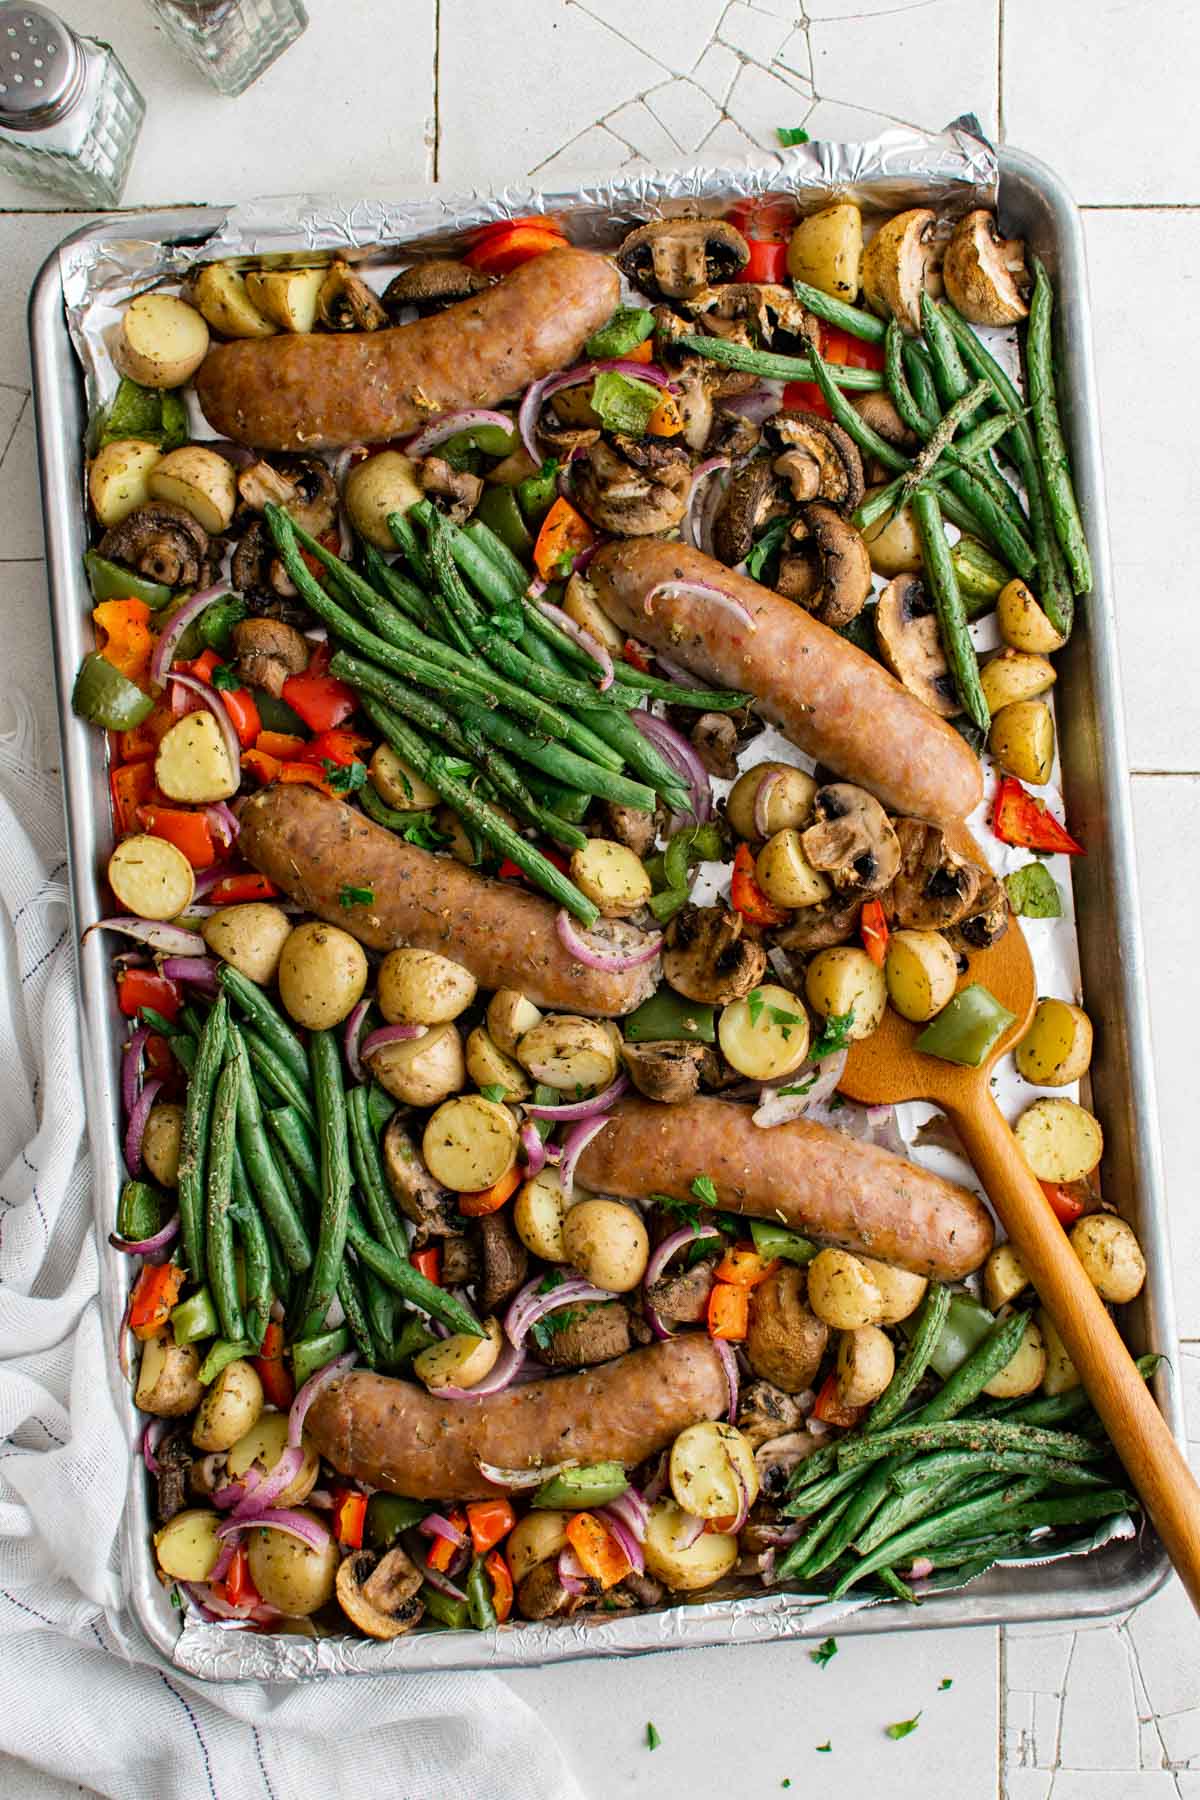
pixel 69 114
pixel 231 41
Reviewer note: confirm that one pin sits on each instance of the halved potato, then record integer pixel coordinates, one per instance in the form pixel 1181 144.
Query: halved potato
pixel 842 1290
pixel 894 544
pixel 387 482
pixel 1057 1048
pixel 460 1360
pixel 509 1016
pixel 826 250
pixel 1004 1277
pixel 566 1051
pixel 607 1242
pixel 766 1034
pixel 612 876
pixel 538 1213
pixel 1061 1374
pixel 785 874
pixel 685 1563
pixel 469 1143
pixel 1060 1140
pixel 866 1363
pixel 1022 740
pixel 397 785
pixel 1014 675
pixel 488 1066
pixel 261 1448
pixel 250 936
pixel 541 1534
pixel 151 878
pixel 1022 622
pixel 118 476
pixel 1023 1371
pixel 843 981
pixel 322 974
pixel 161 1142
pixel 421 987
pixel 220 293
pixel 900 1291
pixel 787 802
pixel 286 296
pixel 200 481
pixel 193 763
pixel 230 1408
pixel 921 972
pixel 1111 1256
pixel 424 1071
pixel 161 341
pixel 187 1547
pixel 710 1465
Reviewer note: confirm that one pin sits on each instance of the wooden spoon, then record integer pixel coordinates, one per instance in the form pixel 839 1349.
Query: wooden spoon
pixel 887 1068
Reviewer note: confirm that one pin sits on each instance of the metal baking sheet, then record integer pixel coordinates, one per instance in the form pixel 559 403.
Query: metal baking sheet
pixel 903 169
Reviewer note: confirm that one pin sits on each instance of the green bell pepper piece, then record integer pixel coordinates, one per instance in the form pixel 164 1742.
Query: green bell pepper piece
pixel 493 440
pixel 667 1015
pixel 500 513
pixel 664 906
pixel 311 1354
pixel 978 571
pixel 105 697
pixel 454 1613
pixel 479 1597
pixel 772 1240
pixel 222 1353
pixel 216 624
pixel 628 327
pixel 109 581
pixel 277 715
pixel 965 1030
pixel 595 1484
pixel 380 1107
pixel 1033 892
pixel 156 415
pixel 141 1211
pixel 195 1318
pixel 388 1515
pixel 413 1338
pixel 968 1322
pixel 537 493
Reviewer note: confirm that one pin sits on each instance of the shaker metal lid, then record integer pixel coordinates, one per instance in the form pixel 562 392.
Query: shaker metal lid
pixel 41 67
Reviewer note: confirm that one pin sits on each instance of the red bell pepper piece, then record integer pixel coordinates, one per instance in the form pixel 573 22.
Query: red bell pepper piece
pixel 511 871
pixel 1019 817
pixel 237 888
pixel 428 1262
pixel 873 929
pixel 831 1409
pixel 201 666
pixel 502 1585
pixel 349 1516
pixel 441 1551
pixel 838 346
pixel 304 772
pixel 144 987
pixel 161 1063
pixel 489 1520
pixel 155 1293
pixel 339 747
pixel 238 1589
pixel 321 700
pixel 506 246
pixel 763 218
pixel 1066 1201
pixel 273 1372
pixel 264 768
pixel 746 895
pixel 636 655
pixel 132 785
pixel 188 831
pixel 242 708
pixel 728 1311
pixel 768 261
pixel 806 396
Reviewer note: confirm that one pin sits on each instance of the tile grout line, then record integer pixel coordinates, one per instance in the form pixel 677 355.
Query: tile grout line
pixel 437 85
pixel 1000 71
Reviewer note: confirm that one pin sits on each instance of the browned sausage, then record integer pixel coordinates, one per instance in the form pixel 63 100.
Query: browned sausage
pixel 314 847
pixel 838 704
pixel 393 1434
pixel 320 391
pixel 818 1181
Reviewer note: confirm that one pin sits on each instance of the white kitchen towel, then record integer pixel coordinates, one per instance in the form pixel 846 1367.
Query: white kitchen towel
pixel 84 1699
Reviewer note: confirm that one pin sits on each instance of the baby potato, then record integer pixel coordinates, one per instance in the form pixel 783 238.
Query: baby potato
pixel 160 1142
pixel 900 1291
pixel 1061 1374
pixel 117 478
pixel 765 1034
pixel 168 1383
pixel 509 1016
pixel 151 877
pixel 845 980
pixel 200 481
pixel 611 876
pixel 262 1446
pixel 397 785
pixel 568 1052
pixel 288 297
pixel 424 1071
pixel 288 1573
pixel 1013 675
pixel 387 482
pixel 685 1567
pixel 1023 1371
pixel 1060 1141
pixel 607 1243
pixel 1057 1048
pixel 230 1407
pixel 785 874
pixel 460 1360
pixel 469 1143
pixel 538 1213
pixel 541 1534
pixel 866 1363
pixel 788 803
pixel 249 936
pixel 322 974
pixel 1023 624
pixel 193 764
pixel 921 972
pixel 826 249
pixel 842 1290
pixel 710 1464
pixel 1004 1277
pixel 785 1341
pixel 1111 1256
pixel 579 603
pixel 220 294
pixel 161 341
pixel 894 544
pixel 1022 740
pixel 187 1547
pixel 419 987
pixel 488 1066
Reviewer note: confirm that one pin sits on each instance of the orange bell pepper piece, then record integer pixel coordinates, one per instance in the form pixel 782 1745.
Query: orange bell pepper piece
pixel 643 352
pixel 188 831
pixel 563 535
pixel 349 1516
pixel 132 786
pixel 338 746
pixel 502 1585
pixel 489 1520
pixel 146 987
pixel 873 929
pixel 831 1409
pixel 304 772
pixel 506 246
pixel 666 420
pixel 128 640
pixel 746 895
pixel 264 768
pixel 284 746
pixel 441 1551
pixel 728 1311
pixel 744 1267
pixel 597 1549
pixel 490 1199
pixel 155 1293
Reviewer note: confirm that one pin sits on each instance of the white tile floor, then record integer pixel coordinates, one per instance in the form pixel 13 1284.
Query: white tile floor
pixel 467 92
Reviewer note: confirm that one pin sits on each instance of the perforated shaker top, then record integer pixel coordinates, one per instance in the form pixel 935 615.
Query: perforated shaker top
pixel 41 67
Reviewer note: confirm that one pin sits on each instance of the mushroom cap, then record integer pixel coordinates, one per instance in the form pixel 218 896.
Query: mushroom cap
pixel 379 1594
pixel 823 537
pixel 346 303
pixel 592 1334
pixel 679 257
pixel 935 887
pixel 708 957
pixel 895 264
pixel 629 501
pixel 163 542
pixel 505 1261
pixel 878 410
pixel 851 840
pixel 766 1412
pixel 820 927
pixel 910 643
pixel 431 285
pixel 986 923
pixel 752 497
pixel 770 306
pixel 665 1070
pixel 302 485
pixel 836 473
pixel 984 272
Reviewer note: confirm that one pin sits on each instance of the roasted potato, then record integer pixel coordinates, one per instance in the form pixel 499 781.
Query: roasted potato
pixel 710 1464
pixel 579 603
pixel 261 1448
pixel 161 341
pixel 488 1066
pixel 200 481
pixel 193 763
pixel 842 1290
pixel 538 1213
pixel 150 877
pixel 461 1360
pixel 785 874
pixel 1013 675
pixel 249 936
pixel 826 250
pixel 680 1560
pixel 607 1242
pixel 866 1363
pixel 1060 1141
pixel 288 297
pixel 1023 624
pixel 424 1071
pixel 509 1016
pixel 1022 740
pixel 894 544
pixel 469 1143
pixel 611 876
pixel 785 1340
pixel 1004 1277
pixel 388 482
pixel 900 1291
pixel 322 974
pixel 419 987
pixel 1111 1256
pixel 289 1574
pixel 1061 1374
pixel 921 972
pixel 845 980
pixel 1057 1048
pixel 534 1539
pixel 168 1383
pixel 230 1407
pixel 117 478
pixel 788 802
pixel 160 1142
pixel 187 1547
pixel 397 785
pixel 766 1035
pixel 1023 1371
pixel 220 294
pixel 568 1052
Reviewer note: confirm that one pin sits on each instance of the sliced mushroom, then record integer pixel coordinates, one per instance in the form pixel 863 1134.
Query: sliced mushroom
pixel 432 1210
pixel 910 643
pixel 541 1595
pixel 817 459
pixel 715 740
pixel 643 1589
pixel 935 887
pixel 592 1334
pixel 174 1457
pixel 666 1069
pixel 430 286
pixel 834 576
pixel 678 258
pixel 630 501
pixel 777 1460
pixel 877 410
pixel 984 272
pixel 346 303
pixel 302 485
pixel 895 266
pixel 851 841
pixel 820 927
pixel 268 651
pixel 461 1262
pixel 766 1412
pixel 682 1298
pixel 732 435
pixel 708 957
pixel 163 542
pixel 752 498
pixel 379 1594
pixel 767 306
pixel 457 489
pixel 505 1261
pixel 261 579
pixel 636 830
pixel 695 403
pixel 986 923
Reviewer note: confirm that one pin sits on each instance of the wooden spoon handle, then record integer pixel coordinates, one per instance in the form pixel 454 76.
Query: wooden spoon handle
pixel 1150 1454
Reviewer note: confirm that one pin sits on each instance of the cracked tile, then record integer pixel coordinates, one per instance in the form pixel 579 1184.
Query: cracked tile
pixel 1091 1784
pixel 1018 1730
pixel 637 126
pixel 716 72
pixel 1164 1636
pixel 685 110
pixel 1181 1736
pixel 796 57
pixel 834 121
pixel 1099 1718
pixel 1027 1784
pixel 762 102
pixel 674 34
pixel 1038 1663
pixel 856 58
pixel 594 152
pixel 20 495
pixel 727 139
pixel 1047 1725
pixel 755 34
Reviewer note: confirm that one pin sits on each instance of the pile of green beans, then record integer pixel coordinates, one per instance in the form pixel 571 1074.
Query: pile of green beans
pixel 956 1481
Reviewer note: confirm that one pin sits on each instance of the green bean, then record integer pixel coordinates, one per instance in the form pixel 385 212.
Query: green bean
pixel 950 377
pixel 994 1351
pixel 350 1295
pixel 917 417
pixel 814 1468
pixel 479 1597
pixel 791 1566
pixel 396 587
pixel 261 1167
pixel 658 688
pixel 193 1141
pixel 900 1589
pixel 281 1275
pixel 274 1074
pixel 1070 1509
pixel 380 1305
pixel 498 552
pixel 946 1463
pixel 919 370
pixel 568 803
pixel 218 1226
pixel 391 816
pixel 1057 1409
pixel 369 1174
pixel 915 1360
pixel 325 1062
pixel 948 604
pixel 291 1133
pixel 1048 433
pixel 966 1434
pixel 939 1528
pixel 398 1273
pixel 556 760
pixel 854 319
pixel 908 1505
pixel 814 1498
pixel 769 367
pixel 267 1020
pixel 865 1502
pixel 941 437
pixel 256 1253
pixel 411 548
pixel 981 440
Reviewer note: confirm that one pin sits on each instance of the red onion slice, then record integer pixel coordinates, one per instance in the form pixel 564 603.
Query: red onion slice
pixel 136 1127
pixel 779 1538
pixel 743 1511
pixel 151 1438
pixel 224 821
pixel 662 1254
pixel 574 1145
pixel 571 1573
pixel 632 1510
pixel 658 1325
pixel 350 1037
pixel 263 1489
pixel 690 528
pixel 538 392
pixel 921 1570
pixel 517 1479
pixel 614 963
pixel 775 1108
pixel 536 588
pixel 131 1068
pixel 582 1109
pixel 389 1034
pixel 151 1246
pixel 285 1519
pixel 198 971
pixel 532 1149
pixel 191 608
pixel 529 1304
pixel 689 1531
pixel 173 939
pixel 656 1487
pixel 583 640
pixel 676 672
pixel 442 1584
pixel 700 590
pixel 729 1364
pixel 682 756
pixel 448 425
pixel 510 1359
pixel 762 795
pixel 437 1525
pixel 217 708
pixel 630 1546
pixel 308 1393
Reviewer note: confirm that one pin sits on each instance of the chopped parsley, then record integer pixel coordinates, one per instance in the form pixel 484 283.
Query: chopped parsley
pixel 825 1652
pixel 801 1087
pixel 902 1727
pixel 225 679
pixel 777 1015
pixel 791 134
pixel 835 1035
pixel 825 1747
pixel 176 1602
pixel 688 1214
pixel 705 1188
pixel 356 896
pixel 565 563
pixel 422 834
pixel 944 1683
pixel 786 1782
pixel 344 778
pixel 494 1090
pixel 544 1329
pixel 767 544
pixel 653 1740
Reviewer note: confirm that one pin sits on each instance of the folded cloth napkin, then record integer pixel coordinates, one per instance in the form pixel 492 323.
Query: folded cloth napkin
pixel 84 1699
